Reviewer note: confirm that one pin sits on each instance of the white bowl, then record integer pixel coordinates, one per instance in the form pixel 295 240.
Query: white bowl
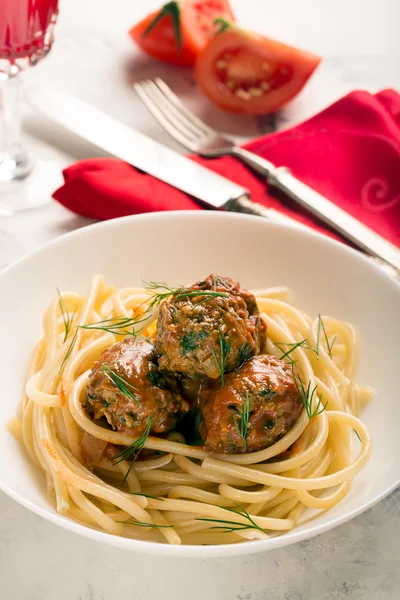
pixel 180 247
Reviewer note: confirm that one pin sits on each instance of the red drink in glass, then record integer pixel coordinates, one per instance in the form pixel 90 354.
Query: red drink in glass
pixel 26 29
pixel 26 36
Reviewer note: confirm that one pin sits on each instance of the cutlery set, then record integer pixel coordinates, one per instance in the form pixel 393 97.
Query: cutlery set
pixel 211 189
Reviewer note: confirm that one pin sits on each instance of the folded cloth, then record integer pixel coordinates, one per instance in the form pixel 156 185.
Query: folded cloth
pixel 350 153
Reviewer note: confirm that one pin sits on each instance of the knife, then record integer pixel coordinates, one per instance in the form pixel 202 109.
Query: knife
pixel 150 156
pixel 146 154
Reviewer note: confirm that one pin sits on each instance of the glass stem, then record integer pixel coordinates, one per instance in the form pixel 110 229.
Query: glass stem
pixel 14 163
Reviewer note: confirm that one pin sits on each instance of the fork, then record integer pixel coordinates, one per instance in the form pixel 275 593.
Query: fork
pixel 196 136
pixel 189 130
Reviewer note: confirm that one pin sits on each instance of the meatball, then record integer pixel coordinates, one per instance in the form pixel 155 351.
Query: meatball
pixel 155 394
pixel 263 392
pixel 206 334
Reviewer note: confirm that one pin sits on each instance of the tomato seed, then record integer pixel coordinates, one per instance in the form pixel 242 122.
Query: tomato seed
pixel 255 92
pixel 242 94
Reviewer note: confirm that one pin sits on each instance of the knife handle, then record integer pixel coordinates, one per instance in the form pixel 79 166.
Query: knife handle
pixel 243 204
pixel 356 232
pixel 338 219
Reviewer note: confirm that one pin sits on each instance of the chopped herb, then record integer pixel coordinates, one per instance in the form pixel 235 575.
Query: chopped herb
pixel 224 349
pixel 120 383
pixel 267 393
pixel 153 377
pixel 133 450
pixel 190 340
pixel 328 345
pixel 233 526
pixel 244 353
pixel 188 343
pixel 358 435
pixel 67 317
pixel 242 421
pixel 307 396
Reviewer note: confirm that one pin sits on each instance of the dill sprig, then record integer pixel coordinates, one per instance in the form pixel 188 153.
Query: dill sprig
pixel 358 435
pixel 307 397
pixel 68 352
pixel 292 346
pixel 321 326
pixel 142 524
pixel 117 325
pixel 67 317
pixel 120 383
pixel 242 420
pixel 126 325
pixel 162 292
pixel 233 526
pixel 133 450
pixel 224 348
pixel 147 496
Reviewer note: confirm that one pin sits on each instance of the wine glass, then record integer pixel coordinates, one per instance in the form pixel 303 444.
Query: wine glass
pixel 26 36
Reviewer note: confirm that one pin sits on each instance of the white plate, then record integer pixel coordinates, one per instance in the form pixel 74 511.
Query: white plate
pixel 181 247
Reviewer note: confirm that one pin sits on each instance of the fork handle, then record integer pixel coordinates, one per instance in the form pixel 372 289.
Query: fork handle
pixel 350 228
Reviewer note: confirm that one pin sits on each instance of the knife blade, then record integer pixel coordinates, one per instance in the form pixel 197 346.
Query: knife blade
pixel 146 154
pixel 139 150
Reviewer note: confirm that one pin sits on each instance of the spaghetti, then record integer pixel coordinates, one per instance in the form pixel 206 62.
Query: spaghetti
pixel 184 494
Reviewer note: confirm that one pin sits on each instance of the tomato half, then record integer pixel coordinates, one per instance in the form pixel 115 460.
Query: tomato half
pixel 179 30
pixel 247 73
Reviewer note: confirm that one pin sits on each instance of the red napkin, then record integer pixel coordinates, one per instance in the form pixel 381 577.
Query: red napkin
pixel 350 153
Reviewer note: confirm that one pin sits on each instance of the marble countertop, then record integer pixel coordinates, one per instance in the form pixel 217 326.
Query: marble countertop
pixel 94 59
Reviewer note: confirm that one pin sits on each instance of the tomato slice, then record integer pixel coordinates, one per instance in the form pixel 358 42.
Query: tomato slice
pixel 179 30
pixel 247 73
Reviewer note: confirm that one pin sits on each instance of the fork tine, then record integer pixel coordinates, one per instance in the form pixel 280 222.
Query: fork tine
pixel 174 114
pixel 159 115
pixel 173 98
pixel 170 113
